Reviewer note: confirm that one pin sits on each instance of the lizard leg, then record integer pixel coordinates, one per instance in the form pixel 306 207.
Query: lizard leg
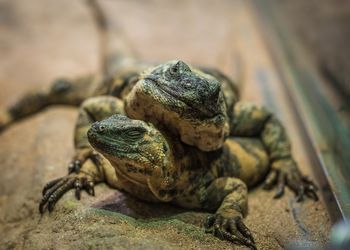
pixel 62 91
pixel 228 196
pixel 94 170
pixel 87 166
pixel 249 120
pixel 242 157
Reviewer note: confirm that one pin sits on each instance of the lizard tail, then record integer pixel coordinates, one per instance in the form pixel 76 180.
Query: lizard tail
pixel 115 51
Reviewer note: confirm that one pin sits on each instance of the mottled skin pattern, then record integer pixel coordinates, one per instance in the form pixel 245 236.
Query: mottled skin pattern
pixel 156 166
pixel 200 107
pixel 186 100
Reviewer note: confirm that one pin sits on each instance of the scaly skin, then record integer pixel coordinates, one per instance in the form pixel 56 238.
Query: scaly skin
pixel 155 166
pixel 186 100
pixel 197 104
pixel 174 172
pixel 201 109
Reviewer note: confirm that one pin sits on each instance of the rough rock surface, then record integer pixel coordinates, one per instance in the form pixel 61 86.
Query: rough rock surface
pixel 41 40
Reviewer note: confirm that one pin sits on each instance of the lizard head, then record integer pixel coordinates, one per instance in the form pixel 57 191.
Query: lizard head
pixel 186 100
pixel 137 151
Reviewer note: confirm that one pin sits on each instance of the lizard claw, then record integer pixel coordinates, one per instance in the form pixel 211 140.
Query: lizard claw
pixel 55 189
pixel 230 229
pixel 81 175
pixel 285 173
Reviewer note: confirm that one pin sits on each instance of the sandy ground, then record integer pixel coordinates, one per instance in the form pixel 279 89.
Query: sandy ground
pixel 42 40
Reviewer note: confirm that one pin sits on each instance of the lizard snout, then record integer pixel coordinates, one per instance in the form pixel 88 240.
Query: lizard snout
pixel 96 129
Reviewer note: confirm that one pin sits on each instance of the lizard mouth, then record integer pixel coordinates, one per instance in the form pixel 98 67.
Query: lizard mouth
pixel 208 111
pixel 118 156
pixel 106 145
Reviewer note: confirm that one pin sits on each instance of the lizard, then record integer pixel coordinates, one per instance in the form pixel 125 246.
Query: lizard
pixel 231 117
pixel 155 166
pixel 201 106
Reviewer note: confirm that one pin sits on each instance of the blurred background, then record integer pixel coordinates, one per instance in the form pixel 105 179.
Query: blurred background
pixel 322 27
pixel 290 55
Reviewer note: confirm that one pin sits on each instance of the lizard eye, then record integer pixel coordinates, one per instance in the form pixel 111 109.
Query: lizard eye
pixel 134 134
pixel 101 128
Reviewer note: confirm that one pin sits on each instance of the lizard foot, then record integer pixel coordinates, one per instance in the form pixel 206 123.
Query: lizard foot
pixel 83 173
pixel 285 172
pixel 54 189
pixel 231 229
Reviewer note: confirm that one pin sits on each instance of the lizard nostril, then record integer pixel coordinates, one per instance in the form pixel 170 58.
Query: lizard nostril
pixel 97 127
